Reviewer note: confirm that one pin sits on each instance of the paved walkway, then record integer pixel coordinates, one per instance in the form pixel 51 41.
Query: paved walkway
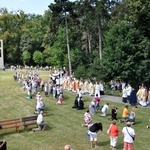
pixel 116 99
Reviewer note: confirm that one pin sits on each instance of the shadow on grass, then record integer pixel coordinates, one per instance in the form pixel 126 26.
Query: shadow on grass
pixel 9 132
pixel 120 146
pixel 49 127
pixel 137 122
pixel 104 143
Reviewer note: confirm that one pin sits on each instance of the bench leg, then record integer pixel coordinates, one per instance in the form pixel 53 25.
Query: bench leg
pixel 17 129
pixel 26 128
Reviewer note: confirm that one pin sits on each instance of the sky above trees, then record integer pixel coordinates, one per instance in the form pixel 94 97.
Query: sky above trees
pixel 28 6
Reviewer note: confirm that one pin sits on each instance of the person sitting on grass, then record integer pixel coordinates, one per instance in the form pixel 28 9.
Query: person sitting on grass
pixel 60 100
pixel 114 113
pixel 76 102
pixel 40 122
pixel 87 119
pixel 105 110
pixel 80 104
pixel 132 115
pixel 97 99
pixel 92 107
pixel 39 106
pixel 125 114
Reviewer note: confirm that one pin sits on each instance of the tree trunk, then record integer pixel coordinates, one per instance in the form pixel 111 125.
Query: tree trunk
pixel 89 40
pixel 68 47
pixel 100 37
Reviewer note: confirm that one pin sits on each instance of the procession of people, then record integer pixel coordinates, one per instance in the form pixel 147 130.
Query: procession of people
pixel 59 81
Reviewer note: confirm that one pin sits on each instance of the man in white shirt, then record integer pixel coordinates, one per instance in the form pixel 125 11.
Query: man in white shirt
pixel 129 135
pixel 129 90
pixel 79 92
pixel 40 122
pixel 97 89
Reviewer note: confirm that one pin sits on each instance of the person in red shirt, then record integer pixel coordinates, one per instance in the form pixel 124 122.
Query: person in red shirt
pixel 113 132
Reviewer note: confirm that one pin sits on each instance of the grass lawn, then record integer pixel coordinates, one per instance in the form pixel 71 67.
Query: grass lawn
pixel 64 123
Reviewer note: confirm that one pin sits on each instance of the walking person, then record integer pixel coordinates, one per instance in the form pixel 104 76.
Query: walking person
pixel 113 131
pixel 129 136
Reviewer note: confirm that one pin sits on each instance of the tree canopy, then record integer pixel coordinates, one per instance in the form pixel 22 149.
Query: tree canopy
pixel 108 39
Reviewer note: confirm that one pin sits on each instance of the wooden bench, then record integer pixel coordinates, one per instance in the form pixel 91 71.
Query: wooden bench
pixel 11 123
pixel 28 121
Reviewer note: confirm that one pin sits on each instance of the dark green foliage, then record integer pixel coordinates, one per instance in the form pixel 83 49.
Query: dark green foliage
pixel 25 42
pixel 80 72
pixel 26 56
pixel 107 39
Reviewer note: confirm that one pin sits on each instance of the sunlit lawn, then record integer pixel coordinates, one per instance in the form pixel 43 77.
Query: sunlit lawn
pixel 64 123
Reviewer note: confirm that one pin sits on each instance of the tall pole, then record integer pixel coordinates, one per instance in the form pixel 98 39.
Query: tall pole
pixel 1 54
pixel 68 47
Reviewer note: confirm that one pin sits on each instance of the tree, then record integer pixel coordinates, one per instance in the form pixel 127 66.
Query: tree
pixel 59 9
pixel 10 25
pixel 122 55
pixel 25 42
pixel 38 57
pixel 26 56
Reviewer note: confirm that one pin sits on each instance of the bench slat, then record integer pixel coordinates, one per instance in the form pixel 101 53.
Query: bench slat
pixel 6 123
pixel 29 118
pixel 10 120
pixel 11 126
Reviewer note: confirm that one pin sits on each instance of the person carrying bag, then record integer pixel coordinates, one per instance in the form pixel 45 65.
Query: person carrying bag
pixel 129 136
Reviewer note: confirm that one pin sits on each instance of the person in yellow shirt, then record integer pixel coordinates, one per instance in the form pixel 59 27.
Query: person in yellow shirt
pixel 125 114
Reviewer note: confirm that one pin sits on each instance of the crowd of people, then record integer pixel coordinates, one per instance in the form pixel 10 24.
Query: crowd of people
pixel 60 81
pixel 127 117
pixel 133 97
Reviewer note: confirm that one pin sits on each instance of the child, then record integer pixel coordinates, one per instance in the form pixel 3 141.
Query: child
pixel 114 113
pixel 60 99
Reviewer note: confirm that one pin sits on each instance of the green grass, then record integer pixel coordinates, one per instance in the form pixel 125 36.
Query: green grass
pixel 64 123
